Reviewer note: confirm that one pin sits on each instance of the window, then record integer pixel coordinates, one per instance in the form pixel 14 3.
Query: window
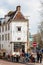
pixel 8 36
pixel 0 46
pixel 17 46
pixel 8 26
pixel 5 27
pixel 5 36
pixel 2 28
pixel 19 39
pixel 18 28
pixel 2 37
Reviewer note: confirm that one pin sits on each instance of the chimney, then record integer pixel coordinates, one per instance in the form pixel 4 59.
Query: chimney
pixel 18 8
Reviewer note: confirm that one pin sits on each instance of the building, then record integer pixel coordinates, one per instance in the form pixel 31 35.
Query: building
pixel 38 39
pixel 14 32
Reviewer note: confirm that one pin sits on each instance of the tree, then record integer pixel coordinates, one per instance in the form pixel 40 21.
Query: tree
pixel 41 1
pixel 40 27
pixel 41 34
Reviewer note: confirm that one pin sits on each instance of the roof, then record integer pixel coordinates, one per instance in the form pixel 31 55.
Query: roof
pixel 19 16
pixel 16 15
pixel 11 13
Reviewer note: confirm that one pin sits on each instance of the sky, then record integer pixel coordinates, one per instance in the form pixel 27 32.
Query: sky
pixel 29 8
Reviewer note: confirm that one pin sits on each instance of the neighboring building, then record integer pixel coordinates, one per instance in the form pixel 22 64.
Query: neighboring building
pixel 37 38
pixel 14 32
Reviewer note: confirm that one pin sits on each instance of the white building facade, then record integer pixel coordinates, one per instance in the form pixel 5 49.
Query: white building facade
pixel 14 32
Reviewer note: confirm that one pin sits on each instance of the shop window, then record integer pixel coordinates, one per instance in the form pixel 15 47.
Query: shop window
pixel 17 46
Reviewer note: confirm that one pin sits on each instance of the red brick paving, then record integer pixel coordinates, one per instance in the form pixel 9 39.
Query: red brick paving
pixel 3 62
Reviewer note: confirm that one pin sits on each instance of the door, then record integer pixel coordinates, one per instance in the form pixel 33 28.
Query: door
pixel 23 48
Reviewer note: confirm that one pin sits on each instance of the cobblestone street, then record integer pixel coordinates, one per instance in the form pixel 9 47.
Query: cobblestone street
pixel 3 62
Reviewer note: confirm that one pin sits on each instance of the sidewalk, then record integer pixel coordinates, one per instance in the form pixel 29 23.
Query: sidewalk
pixel 34 64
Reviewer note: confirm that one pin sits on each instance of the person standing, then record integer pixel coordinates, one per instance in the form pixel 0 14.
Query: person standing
pixel 40 56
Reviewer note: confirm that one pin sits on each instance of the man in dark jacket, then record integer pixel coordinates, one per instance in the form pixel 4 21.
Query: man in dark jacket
pixel 39 56
pixel 37 53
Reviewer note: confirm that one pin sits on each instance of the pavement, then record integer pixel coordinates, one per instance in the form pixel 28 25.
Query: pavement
pixel 3 62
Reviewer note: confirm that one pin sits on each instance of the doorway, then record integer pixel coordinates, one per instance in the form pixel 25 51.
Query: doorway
pixel 23 48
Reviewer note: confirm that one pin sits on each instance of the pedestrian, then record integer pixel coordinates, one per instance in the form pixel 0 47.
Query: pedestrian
pixel 32 58
pixel 40 56
pixel 17 58
pixel 12 58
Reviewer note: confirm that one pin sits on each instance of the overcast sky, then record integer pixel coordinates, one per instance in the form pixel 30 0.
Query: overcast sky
pixel 28 7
